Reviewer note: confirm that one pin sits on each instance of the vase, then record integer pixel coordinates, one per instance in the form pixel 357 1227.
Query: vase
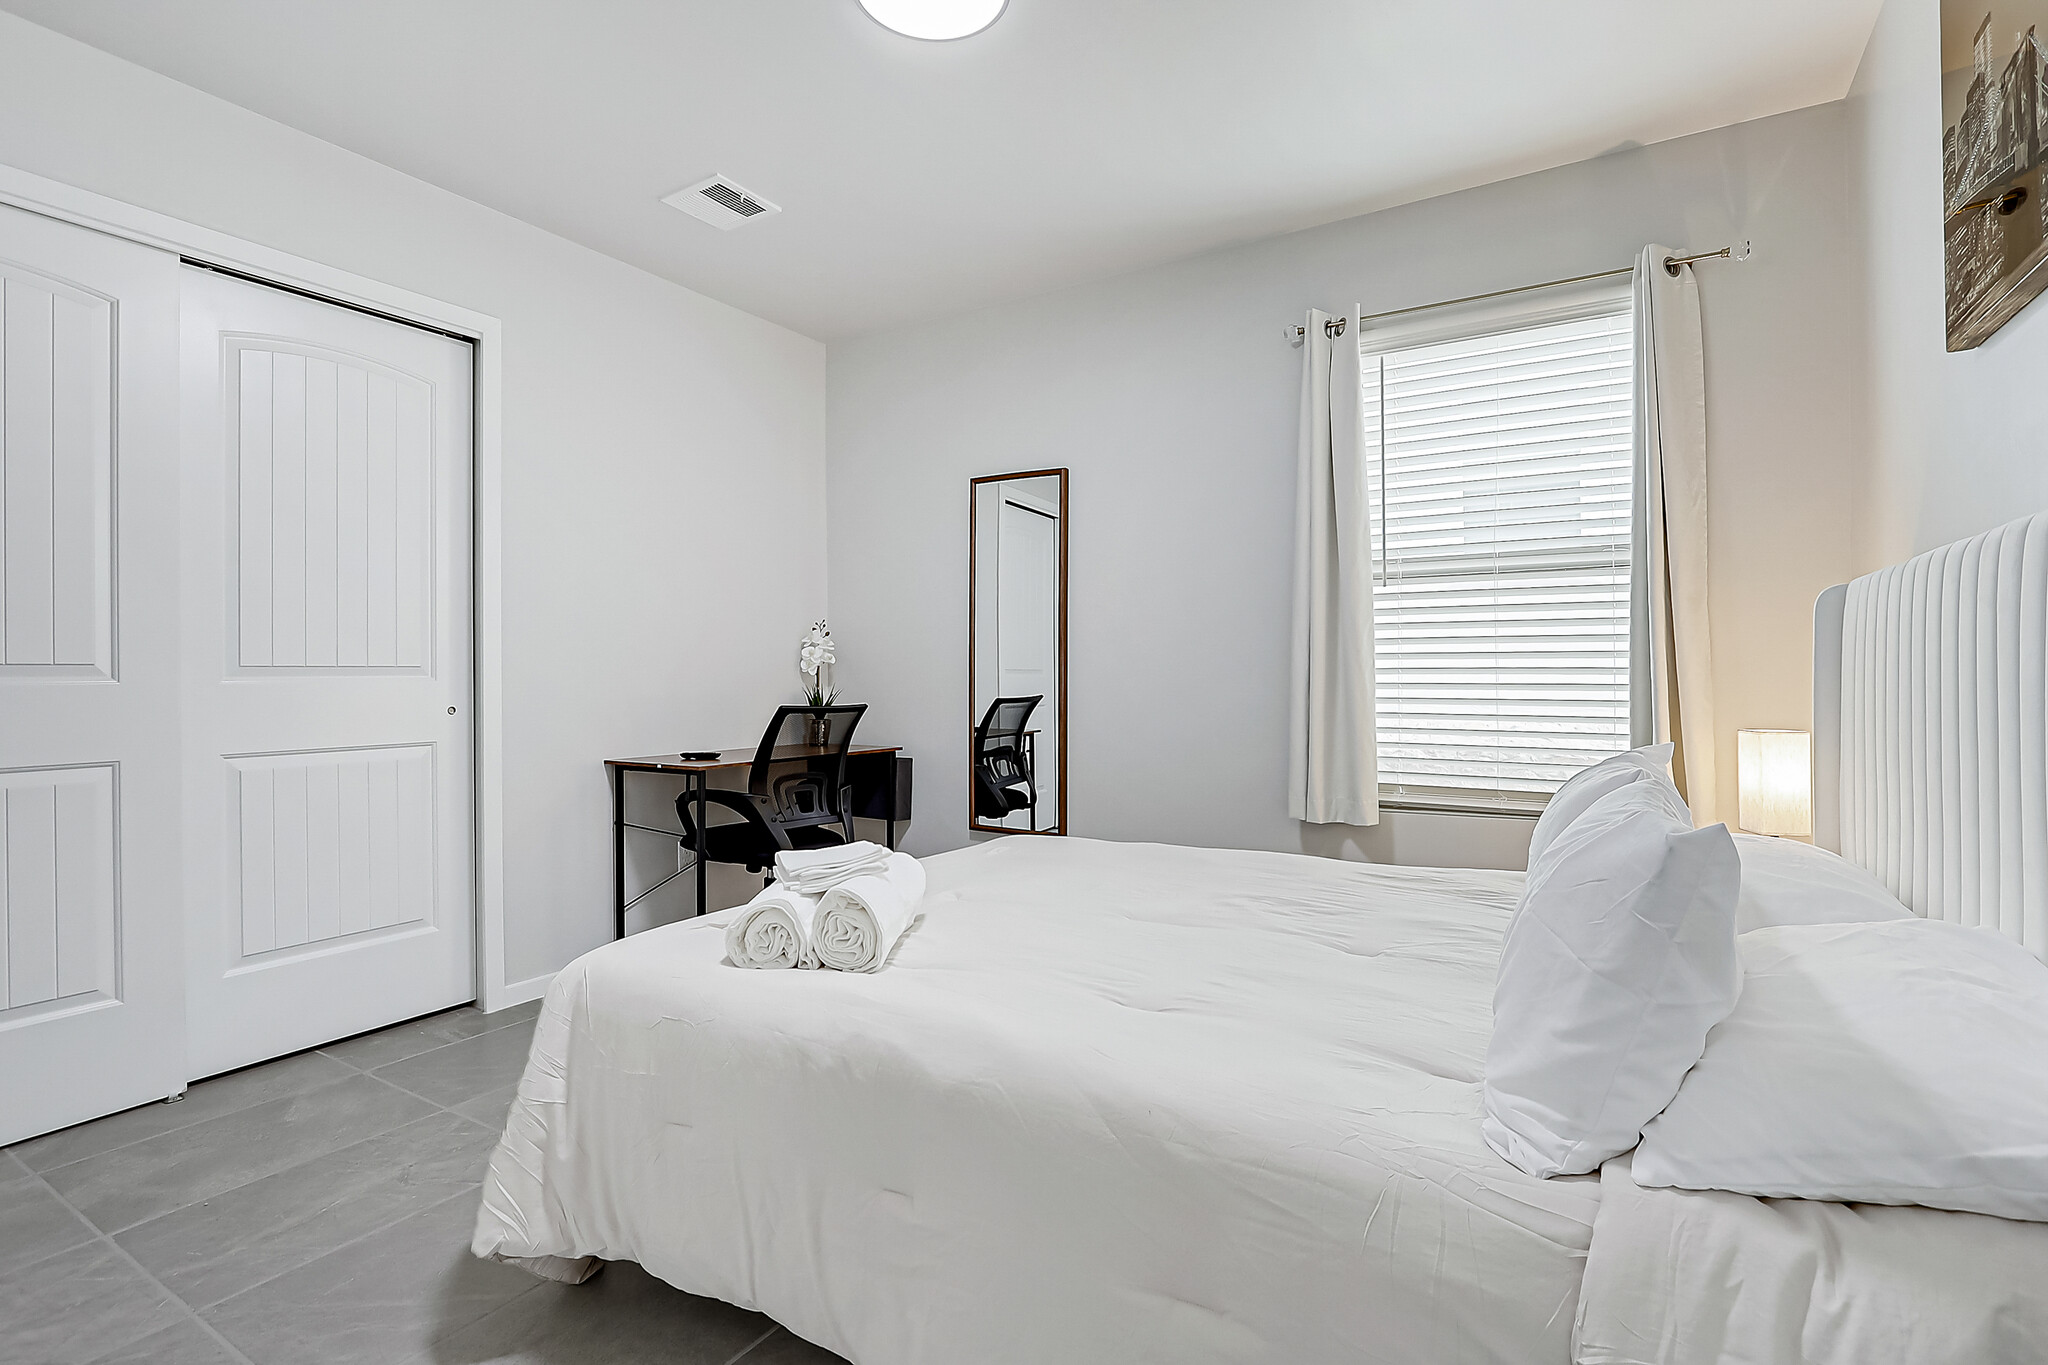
pixel 820 731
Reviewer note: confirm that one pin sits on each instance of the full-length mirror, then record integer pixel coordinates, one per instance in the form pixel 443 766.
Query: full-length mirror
pixel 1017 652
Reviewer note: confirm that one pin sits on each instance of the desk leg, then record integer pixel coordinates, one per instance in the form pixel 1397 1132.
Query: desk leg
pixel 618 853
pixel 703 839
pixel 895 786
pixel 1031 758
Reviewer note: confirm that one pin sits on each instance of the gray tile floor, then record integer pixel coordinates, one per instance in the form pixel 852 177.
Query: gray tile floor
pixel 316 1211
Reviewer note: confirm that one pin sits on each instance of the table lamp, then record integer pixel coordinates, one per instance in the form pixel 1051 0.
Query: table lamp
pixel 1774 775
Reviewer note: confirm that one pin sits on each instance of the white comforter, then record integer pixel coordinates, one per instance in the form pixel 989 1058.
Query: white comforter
pixel 1702 1277
pixel 1109 1103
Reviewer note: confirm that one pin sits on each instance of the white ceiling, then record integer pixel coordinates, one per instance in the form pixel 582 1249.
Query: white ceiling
pixel 1073 140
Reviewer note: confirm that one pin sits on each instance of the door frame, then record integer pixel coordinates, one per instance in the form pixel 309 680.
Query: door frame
pixel 266 265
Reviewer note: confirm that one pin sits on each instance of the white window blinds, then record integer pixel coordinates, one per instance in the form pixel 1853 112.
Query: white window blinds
pixel 1498 462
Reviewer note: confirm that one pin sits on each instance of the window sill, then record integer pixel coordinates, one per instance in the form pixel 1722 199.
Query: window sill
pixel 1518 808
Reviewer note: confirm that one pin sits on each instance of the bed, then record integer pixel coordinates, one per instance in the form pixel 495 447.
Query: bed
pixel 1931 770
pixel 1119 1102
pixel 1138 1103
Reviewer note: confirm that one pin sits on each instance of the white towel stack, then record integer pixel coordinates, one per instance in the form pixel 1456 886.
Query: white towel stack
pixel 842 907
pixel 815 871
pixel 859 920
pixel 774 929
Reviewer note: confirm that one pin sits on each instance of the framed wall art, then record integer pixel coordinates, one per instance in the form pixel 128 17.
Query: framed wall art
pixel 1994 105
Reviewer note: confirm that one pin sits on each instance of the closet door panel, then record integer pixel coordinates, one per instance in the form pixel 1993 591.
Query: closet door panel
pixel 328 626
pixel 91 1010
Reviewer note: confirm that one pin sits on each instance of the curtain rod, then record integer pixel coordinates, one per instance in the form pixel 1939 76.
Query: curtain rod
pixel 1726 253
pixel 1334 327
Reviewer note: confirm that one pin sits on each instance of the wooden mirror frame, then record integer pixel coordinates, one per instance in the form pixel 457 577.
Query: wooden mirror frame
pixel 974 822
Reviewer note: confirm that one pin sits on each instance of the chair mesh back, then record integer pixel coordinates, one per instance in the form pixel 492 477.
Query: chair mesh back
pixel 1003 776
pixel 801 764
pixel 1003 726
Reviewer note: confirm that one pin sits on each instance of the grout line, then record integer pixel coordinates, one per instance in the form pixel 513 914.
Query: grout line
pixel 72 1209
pixel 182 1127
pixel 375 1074
pixel 749 1348
pixel 234 1353
pixel 149 1137
pixel 317 1156
pixel 324 1055
pixel 360 1238
pixel 434 1341
pixel 471 1188
pixel 303 1161
pixel 359 1070
pixel 101 1235
pixel 394 1061
pixel 193 1315
pixel 444 1108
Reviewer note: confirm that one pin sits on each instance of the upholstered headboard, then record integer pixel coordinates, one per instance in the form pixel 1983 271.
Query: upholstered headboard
pixel 1930 715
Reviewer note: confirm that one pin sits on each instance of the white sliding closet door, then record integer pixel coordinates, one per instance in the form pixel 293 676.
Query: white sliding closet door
pixel 89 854
pixel 328 664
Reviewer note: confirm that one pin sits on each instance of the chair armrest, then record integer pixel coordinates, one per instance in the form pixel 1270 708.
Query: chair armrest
pixel 751 808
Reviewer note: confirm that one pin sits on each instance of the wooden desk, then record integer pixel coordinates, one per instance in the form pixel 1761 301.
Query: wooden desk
pixel 696 774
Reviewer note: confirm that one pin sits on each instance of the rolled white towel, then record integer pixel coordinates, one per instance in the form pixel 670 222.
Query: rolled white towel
pixel 774 929
pixel 816 870
pixel 859 921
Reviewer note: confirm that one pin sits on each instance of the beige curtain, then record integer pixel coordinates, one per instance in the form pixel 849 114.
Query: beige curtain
pixel 1671 485
pixel 1333 775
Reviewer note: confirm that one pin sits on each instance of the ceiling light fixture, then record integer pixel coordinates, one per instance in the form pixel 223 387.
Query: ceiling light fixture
pixel 937 20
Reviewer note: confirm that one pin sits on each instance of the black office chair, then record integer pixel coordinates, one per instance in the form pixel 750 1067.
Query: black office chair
pixel 1005 765
pixel 796 796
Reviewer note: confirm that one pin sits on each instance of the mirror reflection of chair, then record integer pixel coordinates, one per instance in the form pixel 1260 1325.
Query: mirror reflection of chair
pixel 797 794
pixel 1005 773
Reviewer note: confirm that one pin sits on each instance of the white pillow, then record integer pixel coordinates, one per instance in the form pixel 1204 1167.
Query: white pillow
pixel 1791 883
pixel 1896 1063
pixel 1588 785
pixel 1619 959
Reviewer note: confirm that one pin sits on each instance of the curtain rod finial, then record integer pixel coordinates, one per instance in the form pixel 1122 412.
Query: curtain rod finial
pixel 1296 333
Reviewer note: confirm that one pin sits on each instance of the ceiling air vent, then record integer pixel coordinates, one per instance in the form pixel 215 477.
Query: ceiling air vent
pixel 720 203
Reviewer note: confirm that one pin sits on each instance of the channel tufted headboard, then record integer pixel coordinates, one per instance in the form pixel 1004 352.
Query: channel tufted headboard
pixel 1930 720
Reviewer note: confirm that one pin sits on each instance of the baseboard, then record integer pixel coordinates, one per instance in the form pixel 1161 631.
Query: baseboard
pixel 507 994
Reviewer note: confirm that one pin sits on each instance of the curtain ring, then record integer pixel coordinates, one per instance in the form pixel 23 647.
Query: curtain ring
pixel 1334 327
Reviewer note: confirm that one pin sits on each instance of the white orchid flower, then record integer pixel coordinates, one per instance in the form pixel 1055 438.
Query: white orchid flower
pixel 815 650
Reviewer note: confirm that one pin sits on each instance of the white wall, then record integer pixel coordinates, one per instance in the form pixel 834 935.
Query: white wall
pixel 1955 443
pixel 1171 395
pixel 648 432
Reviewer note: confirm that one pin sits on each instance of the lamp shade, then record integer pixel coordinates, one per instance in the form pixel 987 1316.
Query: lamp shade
pixel 1774 772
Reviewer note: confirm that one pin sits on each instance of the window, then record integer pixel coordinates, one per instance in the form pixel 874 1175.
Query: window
pixel 1499 451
